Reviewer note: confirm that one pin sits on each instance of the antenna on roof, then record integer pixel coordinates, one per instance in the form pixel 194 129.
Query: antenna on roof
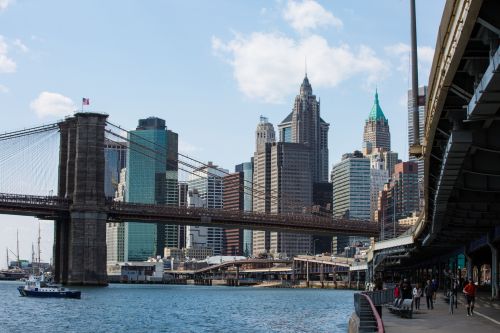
pixel 305 64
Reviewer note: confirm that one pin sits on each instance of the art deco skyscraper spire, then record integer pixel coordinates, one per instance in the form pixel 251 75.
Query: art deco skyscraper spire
pixel 304 125
pixel 376 133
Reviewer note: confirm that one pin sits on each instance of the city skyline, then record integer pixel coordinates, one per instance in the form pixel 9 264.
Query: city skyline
pixel 365 169
pixel 30 67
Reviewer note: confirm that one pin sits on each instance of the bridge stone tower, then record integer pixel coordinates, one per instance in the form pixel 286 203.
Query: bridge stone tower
pixel 80 237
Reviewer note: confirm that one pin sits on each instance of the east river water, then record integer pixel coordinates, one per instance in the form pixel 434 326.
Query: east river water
pixel 168 308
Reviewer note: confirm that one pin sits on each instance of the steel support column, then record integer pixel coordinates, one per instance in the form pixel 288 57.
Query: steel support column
pixel 494 267
pixel 470 266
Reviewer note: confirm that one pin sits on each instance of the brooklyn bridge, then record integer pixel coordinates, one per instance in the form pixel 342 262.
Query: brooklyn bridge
pixel 80 209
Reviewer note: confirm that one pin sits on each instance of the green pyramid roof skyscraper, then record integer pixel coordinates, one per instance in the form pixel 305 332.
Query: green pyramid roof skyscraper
pixel 376 112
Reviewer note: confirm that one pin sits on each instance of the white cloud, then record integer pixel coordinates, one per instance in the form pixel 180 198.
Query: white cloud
pixel 52 104
pixel 4 89
pixel 186 147
pixel 7 65
pixel 309 14
pixel 269 66
pixel 401 51
pixel 3 45
pixel 20 45
pixel 4 4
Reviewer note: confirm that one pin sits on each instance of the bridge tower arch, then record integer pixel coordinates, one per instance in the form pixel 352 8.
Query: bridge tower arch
pixel 80 236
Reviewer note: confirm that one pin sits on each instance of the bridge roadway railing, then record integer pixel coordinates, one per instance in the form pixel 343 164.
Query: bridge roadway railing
pixel 33 203
pixel 117 211
pixel 143 212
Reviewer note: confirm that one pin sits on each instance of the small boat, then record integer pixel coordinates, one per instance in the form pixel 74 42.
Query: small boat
pixel 12 274
pixel 36 286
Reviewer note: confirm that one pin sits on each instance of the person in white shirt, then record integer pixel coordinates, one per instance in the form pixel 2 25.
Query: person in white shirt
pixel 417 294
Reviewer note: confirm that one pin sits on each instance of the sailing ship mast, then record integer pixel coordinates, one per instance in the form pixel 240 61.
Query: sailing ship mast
pixel 39 248
pixel 32 258
pixel 17 238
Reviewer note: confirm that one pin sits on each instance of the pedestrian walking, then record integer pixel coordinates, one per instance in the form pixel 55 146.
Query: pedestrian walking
pixel 397 292
pixel 417 294
pixel 454 292
pixel 429 292
pixel 434 288
pixel 470 297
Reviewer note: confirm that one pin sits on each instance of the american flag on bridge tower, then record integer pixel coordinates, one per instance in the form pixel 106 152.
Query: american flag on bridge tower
pixel 85 101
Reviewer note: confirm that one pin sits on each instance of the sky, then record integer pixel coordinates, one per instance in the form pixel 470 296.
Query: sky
pixel 209 68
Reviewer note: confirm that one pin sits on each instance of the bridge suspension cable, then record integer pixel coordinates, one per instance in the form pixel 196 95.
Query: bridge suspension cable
pixel 29 160
pixel 156 158
pixel 162 152
pixel 204 168
pixel 28 131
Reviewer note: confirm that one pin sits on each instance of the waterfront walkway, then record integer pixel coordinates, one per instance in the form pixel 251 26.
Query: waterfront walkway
pixel 486 318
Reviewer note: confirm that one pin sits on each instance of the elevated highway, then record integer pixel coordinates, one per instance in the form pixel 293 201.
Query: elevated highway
pixel 461 152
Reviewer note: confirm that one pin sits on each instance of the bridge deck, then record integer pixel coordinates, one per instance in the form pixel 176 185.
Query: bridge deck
pixel 49 207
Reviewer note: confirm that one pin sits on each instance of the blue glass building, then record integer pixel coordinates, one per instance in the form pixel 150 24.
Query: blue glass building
pixel 146 183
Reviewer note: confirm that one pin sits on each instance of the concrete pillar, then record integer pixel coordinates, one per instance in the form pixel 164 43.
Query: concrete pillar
pixel 237 275
pixel 494 267
pixel 494 273
pixel 334 277
pixel 70 158
pixel 307 273
pixel 63 158
pixel 61 250
pixel 469 266
pixel 58 253
pixel 83 237
pixel 293 270
pixel 322 275
pixel 440 275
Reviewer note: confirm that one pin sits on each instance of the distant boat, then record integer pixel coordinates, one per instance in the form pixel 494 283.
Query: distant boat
pixel 12 274
pixel 36 286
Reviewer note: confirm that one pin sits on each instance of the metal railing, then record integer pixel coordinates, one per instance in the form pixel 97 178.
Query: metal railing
pixel 365 307
pixel 131 211
pixel 118 211
pixel 369 318
pixel 33 203
pixel 381 297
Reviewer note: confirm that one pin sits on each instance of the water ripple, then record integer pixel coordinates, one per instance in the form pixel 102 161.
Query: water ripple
pixel 183 309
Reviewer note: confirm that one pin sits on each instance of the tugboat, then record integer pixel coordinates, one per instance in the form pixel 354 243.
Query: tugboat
pixel 36 286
